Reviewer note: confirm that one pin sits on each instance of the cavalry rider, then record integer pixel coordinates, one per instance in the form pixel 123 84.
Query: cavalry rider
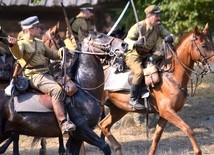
pixel 140 47
pixel 80 24
pixel 37 69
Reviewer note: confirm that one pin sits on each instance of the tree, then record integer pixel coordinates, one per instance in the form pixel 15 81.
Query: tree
pixel 178 16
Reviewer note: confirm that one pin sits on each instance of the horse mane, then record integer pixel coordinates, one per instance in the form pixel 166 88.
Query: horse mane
pixel 183 38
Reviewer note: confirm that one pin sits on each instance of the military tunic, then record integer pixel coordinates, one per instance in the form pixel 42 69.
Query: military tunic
pixel 151 34
pixel 37 69
pixel 79 27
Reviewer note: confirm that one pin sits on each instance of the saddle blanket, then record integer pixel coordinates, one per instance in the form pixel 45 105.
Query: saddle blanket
pixel 116 81
pixel 29 102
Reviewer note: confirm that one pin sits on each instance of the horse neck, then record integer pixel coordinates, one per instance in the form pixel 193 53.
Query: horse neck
pixel 183 64
pixel 90 74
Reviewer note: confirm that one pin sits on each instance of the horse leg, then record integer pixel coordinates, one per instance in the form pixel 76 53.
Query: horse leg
pixel 61 149
pixel 43 150
pixel 13 138
pixel 102 117
pixel 170 115
pixel 4 147
pixel 92 138
pixel 157 135
pixel 73 146
pixel 15 143
pixel 105 125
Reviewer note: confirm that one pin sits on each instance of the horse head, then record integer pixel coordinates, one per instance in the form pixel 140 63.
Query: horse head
pixel 52 38
pixel 103 45
pixel 199 45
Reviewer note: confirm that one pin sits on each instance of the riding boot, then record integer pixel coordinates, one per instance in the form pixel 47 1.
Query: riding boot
pixel 134 93
pixel 66 126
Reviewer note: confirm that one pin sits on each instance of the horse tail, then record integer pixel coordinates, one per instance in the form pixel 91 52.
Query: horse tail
pixel 35 141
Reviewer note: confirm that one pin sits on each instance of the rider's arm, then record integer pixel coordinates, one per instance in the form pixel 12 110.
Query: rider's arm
pixel 132 37
pixel 16 48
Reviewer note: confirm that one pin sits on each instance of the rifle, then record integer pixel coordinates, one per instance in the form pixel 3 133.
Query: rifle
pixel 70 34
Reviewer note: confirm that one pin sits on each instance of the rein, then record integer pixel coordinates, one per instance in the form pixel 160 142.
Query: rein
pixel 204 71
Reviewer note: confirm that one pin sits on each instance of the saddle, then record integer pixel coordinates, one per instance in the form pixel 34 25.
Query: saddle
pixel 33 101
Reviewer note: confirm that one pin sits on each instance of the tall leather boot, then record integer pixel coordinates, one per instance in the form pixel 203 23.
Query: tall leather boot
pixel 65 126
pixel 134 93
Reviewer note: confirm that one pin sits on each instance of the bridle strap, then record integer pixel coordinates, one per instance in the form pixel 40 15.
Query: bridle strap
pixel 203 59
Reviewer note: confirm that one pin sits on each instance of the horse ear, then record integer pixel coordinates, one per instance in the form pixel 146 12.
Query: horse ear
pixel 205 30
pixel 196 30
pixel 57 25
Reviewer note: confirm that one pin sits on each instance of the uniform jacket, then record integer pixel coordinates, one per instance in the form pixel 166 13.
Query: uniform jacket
pixel 39 63
pixel 151 34
pixel 79 26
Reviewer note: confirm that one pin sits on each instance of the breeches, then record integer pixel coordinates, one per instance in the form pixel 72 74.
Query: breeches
pixel 135 64
pixel 46 84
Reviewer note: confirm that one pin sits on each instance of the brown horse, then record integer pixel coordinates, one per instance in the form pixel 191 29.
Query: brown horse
pixel 52 39
pixel 167 97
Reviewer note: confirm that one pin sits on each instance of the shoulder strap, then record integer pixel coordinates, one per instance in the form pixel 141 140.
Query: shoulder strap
pixel 31 57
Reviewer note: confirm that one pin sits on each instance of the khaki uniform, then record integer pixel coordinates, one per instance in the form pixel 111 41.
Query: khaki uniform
pixel 151 34
pixel 79 26
pixel 37 69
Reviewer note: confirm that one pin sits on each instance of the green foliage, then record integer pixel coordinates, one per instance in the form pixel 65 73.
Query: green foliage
pixel 35 2
pixel 177 16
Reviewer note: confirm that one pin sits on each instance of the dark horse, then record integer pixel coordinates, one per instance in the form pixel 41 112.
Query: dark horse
pixel 167 97
pixel 84 107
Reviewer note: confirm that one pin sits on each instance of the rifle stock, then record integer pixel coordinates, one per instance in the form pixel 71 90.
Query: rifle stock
pixel 70 34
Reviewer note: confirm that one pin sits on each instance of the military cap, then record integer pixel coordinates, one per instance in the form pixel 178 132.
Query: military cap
pixel 152 9
pixel 29 22
pixel 86 6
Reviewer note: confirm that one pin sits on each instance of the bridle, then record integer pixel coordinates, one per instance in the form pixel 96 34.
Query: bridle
pixel 103 48
pixel 205 68
pixel 202 53
pixel 106 47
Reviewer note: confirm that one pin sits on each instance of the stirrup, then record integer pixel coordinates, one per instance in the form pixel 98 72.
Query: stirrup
pixel 136 105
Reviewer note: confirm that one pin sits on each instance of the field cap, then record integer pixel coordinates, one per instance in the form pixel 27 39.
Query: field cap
pixel 86 6
pixel 152 9
pixel 29 22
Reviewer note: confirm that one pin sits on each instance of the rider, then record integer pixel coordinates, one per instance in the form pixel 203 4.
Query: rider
pixel 139 47
pixel 37 69
pixel 80 24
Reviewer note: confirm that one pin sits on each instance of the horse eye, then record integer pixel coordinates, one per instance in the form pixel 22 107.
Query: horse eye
pixel 203 45
pixel 100 36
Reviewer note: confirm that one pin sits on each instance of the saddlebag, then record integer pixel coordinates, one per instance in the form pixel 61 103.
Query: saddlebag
pixel 151 75
pixel 68 85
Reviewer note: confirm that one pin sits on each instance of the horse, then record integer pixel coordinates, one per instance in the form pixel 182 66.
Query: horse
pixel 83 107
pixel 52 39
pixel 169 95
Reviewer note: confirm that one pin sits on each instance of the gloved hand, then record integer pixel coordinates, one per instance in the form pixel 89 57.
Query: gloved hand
pixel 139 43
pixel 169 38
